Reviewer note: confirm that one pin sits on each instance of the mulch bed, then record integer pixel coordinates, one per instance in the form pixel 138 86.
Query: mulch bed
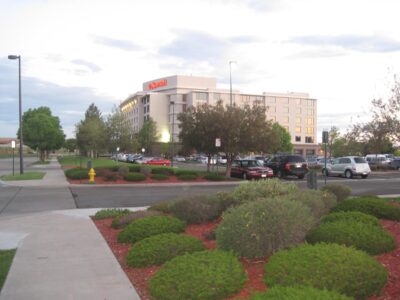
pixel 254 268
pixel 101 180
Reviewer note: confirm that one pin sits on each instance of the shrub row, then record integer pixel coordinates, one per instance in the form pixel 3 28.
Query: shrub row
pixel 111 213
pixel 77 173
pixel 125 219
pixel 134 176
pixel 355 216
pixel 341 191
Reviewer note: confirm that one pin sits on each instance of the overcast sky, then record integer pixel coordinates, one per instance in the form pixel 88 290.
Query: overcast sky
pixel 343 53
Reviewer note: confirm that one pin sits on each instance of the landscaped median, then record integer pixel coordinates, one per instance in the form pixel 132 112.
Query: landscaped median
pixel 25 176
pixel 233 245
pixel 6 257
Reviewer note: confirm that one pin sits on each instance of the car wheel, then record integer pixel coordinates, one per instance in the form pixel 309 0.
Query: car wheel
pixel 244 176
pixel 364 176
pixel 348 174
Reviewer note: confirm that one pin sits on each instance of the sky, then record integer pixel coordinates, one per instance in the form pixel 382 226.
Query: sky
pixel 343 53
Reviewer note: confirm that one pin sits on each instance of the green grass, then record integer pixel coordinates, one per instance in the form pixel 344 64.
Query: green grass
pixel 96 162
pixel 46 162
pixel 6 257
pixel 25 176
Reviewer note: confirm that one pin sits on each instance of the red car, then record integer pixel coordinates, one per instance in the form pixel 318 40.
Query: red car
pixel 250 169
pixel 159 161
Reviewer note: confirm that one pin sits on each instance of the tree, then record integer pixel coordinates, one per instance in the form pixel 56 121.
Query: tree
pixel 42 130
pixel 281 138
pixel 147 135
pixel 90 132
pixel 119 132
pixel 70 145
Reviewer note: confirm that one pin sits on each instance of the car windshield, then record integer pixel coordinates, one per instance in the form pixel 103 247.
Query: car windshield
pixel 359 160
pixel 254 163
pixel 295 159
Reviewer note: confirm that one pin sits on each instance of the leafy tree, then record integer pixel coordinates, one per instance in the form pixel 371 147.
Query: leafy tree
pixel 119 133
pixel 70 145
pixel 42 130
pixel 281 138
pixel 147 135
pixel 90 132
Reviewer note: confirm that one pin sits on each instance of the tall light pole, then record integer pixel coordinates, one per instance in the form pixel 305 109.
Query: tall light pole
pixel 21 142
pixel 230 78
pixel 172 131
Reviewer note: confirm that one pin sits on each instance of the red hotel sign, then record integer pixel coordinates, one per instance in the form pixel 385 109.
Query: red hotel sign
pixel 156 84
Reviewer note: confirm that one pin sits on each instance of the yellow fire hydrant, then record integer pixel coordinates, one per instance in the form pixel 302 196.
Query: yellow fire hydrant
pixel 92 174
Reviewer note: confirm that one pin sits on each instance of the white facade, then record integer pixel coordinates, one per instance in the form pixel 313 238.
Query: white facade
pixel 163 99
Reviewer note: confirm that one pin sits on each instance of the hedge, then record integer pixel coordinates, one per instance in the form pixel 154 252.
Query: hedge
pixel 163 170
pixel 187 177
pixel 214 177
pixel 341 191
pixel 110 213
pixel 180 172
pixel 77 173
pixel 125 219
pixel 159 177
pixel 134 177
pixel 351 216
pixel 298 293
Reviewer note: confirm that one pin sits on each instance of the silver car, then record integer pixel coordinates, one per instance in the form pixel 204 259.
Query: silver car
pixel 348 167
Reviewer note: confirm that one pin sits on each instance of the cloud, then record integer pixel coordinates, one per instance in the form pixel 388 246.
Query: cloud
pixel 317 53
pixel 91 66
pixel 266 5
pixel 116 43
pixel 361 43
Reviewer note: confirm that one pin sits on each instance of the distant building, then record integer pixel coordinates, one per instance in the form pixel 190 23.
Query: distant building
pixel 163 99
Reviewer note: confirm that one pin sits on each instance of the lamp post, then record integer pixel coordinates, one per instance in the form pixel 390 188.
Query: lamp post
pixel 172 131
pixel 21 142
pixel 230 78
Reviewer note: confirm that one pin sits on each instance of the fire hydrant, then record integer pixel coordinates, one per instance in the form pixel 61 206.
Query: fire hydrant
pixel 91 174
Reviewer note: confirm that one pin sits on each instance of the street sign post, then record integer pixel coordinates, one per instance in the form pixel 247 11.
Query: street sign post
pixel 13 148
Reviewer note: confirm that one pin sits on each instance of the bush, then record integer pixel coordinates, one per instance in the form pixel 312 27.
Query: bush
pixel 110 177
pixel 327 266
pixel 114 168
pixel 125 219
pixel 102 171
pixel 77 173
pixel 159 177
pixel 146 170
pixel 371 206
pixel 150 226
pixel 195 209
pixel 187 177
pixel 160 248
pixel 368 237
pixel 253 190
pixel 180 172
pixel 341 191
pixel 123 170
pixel 298 293
pixel 200 275
pixel 134 168
pixel 355 216
pixel 163 170
pixel 134 177
pixel 214 177
pixel 164 207
pixel 260 228
pixel 110 213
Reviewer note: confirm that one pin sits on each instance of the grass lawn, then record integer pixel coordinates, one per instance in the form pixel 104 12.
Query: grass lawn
pixel 6 257
pixel 46 162
pixel 82 161
pixel 25 176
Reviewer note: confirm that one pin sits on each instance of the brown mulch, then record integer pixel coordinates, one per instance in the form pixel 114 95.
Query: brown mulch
pixel 101 180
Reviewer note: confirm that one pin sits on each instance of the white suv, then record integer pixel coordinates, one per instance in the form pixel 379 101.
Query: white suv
pixel 348 166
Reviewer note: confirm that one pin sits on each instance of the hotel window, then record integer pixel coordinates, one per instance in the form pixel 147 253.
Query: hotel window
pixel 298 101
pixel 201 96
pixel 309 139
pixel 285 109
pixel 309 130
pixel 310 121
pixel 298 110
pixel 310 112
pixel 217 96
pixel 286 119
pixel 298 138
pixel 271 109
pixel 284 100
pixel 298 130
pixel 271 99
pixel 298 120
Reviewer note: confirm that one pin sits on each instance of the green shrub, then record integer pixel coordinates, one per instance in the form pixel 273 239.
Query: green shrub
pixel 160 248
pixel 214 177
pixel 253 190
pixel 341 191
pixel 298 293
pixel 110 177
pixel 125 219
pixel 123 170
pixel 180 172
pixel 134 168
pixel 159 177
pixel 102 171
pixel 187 177
pixel 351 216
pixel 164 207
pixel 163 170
pixel 225 200
pixel 110 213
pixel 327 266
pixel 134 177
pixel 368 237
pixel 114 168
pixel 195 209
pixel 260 228
pixel 371 206
pixel 77 173
pixel 200 275
pixel 146 170
pixel 150 226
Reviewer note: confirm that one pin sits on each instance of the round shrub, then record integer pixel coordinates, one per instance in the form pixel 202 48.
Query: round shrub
pixel 146 170
pixel 341 191
pixel 179 172
pixel 110 213
pixel 150 226
pixel 134 177
pixel 298 293
pixel 160 248
pixel 368 237
pixel 371 206
pixel 164 207
pixel 200 275
pixel 351 216
pixel 125 219
pixel 134 168
pixel 327 266
pixel 77 173
pixel 163 170
pixel 123 170
pixel 187 177
pixel 159 177
pixel 260 228
pixel 214 177
pixel 253 190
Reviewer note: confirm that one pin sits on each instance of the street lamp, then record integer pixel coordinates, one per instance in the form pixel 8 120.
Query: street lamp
pixel 230 77
pixel 172 131
pixel 21 142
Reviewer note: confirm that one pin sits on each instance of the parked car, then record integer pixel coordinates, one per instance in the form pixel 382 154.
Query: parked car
pixel 250 169
pixel 121 157
pixel 321 161
pixel 222 160
pixel 142 159
pixel 179 158
pixel 377 159
pixel 395 164
pixel 288 165
pixel 312 161
pixel 159 161
pixel 348 167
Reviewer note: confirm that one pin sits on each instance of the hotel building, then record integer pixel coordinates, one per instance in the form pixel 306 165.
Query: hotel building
pixel 163 99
